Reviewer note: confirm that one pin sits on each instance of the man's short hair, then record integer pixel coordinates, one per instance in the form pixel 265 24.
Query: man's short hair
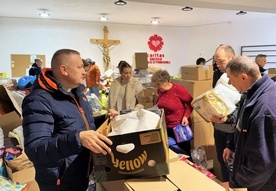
pixel 260 56
pixel 37 59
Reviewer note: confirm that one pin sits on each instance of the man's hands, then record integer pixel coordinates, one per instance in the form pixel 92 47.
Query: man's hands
pixel 227 155
pixel 219 120
pixel 95 141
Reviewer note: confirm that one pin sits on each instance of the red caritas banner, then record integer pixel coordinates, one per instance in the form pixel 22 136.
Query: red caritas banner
pixel 155 44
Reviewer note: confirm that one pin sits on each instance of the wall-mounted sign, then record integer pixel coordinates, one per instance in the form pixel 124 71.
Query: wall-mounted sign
pixel 155 44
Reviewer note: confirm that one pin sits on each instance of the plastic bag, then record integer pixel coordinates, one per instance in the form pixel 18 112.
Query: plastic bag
pixel 199 156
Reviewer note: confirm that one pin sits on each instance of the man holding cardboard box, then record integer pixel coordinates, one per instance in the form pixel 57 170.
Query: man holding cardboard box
pixel 223 127
pixel 58 126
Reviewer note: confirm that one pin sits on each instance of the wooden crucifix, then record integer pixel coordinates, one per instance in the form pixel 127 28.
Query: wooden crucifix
pixel 105 43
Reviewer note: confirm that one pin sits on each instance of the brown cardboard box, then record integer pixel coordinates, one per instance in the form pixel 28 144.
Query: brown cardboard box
pixel 195 88
pixel 182 177
pixel 271 70
pixel 117 185
pixel 149 184
pixel 185 177
pixel 196 117
pixel 197 72
pixel 141 60
pixel 216 167
pixel 148 105
pixel 22 176
pixel 149 156
pixel 8 122
pixel 124 185
pixel 203 133
pixel 149 95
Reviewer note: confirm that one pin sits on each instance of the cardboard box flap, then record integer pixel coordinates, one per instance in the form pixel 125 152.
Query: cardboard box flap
pixel 9 122
pixel 22 176
pixel 156 183
pixel 12 96
pixel 188 178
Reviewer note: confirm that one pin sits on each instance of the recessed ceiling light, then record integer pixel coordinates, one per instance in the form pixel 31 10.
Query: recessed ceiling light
pixel 241 13
pixel 155 21
pixel 44 13
pixel 103 18
pixel 120 2
pixel 187 8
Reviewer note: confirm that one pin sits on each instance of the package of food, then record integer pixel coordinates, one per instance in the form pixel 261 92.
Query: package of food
pixel 220 101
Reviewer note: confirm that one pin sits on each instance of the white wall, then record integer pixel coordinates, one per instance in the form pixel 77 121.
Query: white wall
pixel 43 36
pixel 205 39
pixel 182 46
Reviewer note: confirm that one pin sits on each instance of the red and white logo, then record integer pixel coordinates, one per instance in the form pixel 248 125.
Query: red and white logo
pixel 155 43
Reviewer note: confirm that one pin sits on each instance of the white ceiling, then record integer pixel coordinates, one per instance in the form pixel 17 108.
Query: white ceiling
pixel 169 12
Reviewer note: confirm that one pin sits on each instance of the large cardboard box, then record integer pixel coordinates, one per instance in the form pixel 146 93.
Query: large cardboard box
pixel 149 94
pixel 185 177
pixel 203 134
pixel 127 184
pixel 12 118
pixel 197 72
pixel 271 70
pixel 149 184
pixel 141 60
pixel 182 177
pixel 149 156
pixel 195 88
pixel 8 122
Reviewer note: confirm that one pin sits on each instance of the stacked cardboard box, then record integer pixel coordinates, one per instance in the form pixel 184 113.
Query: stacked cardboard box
pixel 197 72
pixel 8 122
pixel 151 97
pixel 197 80
pixel 203 131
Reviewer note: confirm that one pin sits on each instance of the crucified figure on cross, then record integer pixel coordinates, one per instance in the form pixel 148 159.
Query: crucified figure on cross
pixel 105 44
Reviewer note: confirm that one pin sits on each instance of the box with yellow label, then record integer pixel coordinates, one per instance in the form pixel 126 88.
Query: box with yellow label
pixel 148 156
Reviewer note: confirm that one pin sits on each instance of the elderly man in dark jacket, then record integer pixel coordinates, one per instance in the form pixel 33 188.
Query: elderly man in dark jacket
pixel 59 128
pixel 255 137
